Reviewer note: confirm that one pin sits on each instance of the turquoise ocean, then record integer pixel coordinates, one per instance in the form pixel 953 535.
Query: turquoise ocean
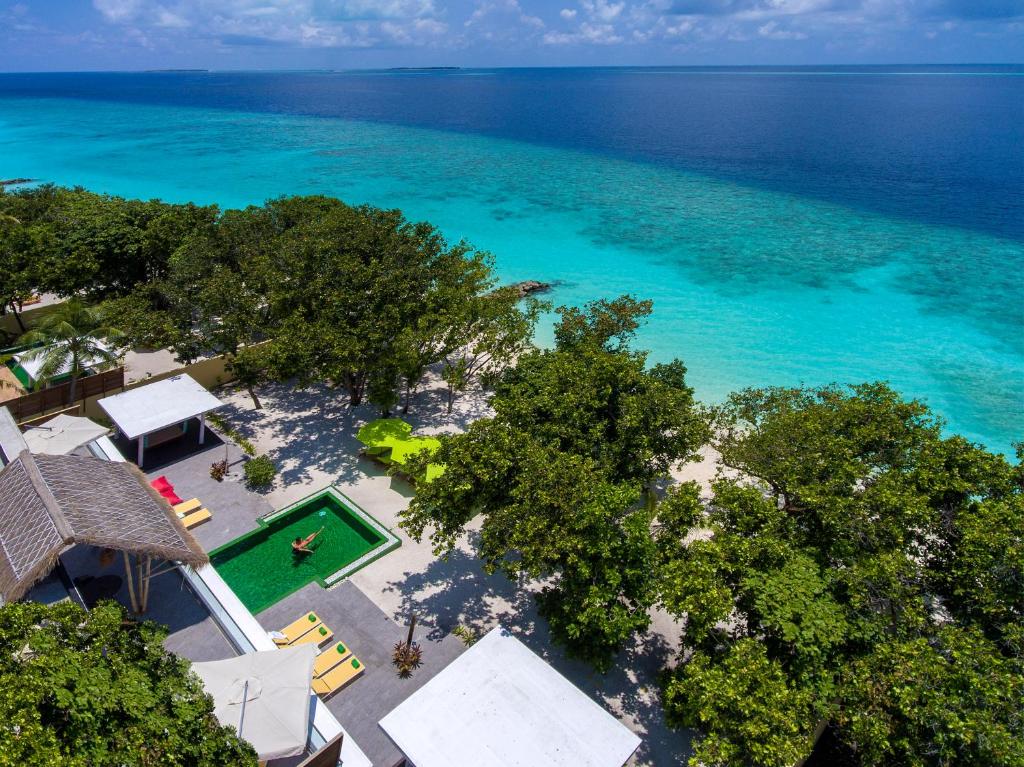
pixel 751 285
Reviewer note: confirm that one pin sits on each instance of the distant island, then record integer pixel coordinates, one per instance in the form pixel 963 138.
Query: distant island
pixel 423 69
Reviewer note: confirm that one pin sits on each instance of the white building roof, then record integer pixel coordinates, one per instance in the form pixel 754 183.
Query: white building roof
pixel 499 705
pixel 155 406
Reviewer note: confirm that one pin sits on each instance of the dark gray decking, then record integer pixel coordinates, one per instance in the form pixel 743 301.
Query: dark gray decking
pixel 371 635
pixel 233 506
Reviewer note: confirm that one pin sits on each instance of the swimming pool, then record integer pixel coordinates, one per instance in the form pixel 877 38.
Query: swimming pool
pixel 262 568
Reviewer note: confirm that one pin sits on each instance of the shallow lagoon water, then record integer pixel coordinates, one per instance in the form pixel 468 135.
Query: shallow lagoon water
pixel 751 286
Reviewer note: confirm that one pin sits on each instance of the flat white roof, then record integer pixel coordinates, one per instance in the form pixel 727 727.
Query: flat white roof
pixel 499 705
pixel 155 406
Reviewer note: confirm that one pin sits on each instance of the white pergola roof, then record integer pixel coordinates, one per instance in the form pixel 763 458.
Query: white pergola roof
pixel 499 705
pixel 264 696
pixel 63 434
pixel 155 406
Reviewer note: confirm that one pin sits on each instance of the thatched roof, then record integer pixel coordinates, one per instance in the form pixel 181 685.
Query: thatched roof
pixel 50 502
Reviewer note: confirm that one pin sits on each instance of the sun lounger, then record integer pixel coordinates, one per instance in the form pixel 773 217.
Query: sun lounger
pixel 195 518
pixel 297 628
pixel 338 677
pixel 317 636
pixel 187 507
pixel 330 658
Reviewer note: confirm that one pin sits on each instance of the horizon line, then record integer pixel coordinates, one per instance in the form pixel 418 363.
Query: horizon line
pixel 440 69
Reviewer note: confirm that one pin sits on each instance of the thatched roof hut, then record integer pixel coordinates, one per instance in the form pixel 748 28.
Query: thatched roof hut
pixel 51 502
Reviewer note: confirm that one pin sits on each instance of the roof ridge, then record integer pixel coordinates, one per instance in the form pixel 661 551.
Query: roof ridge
pixel 46 495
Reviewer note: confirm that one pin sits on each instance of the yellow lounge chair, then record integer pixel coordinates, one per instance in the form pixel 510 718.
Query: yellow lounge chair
pixel 338 677
pixel 195 518
pixel 317 636
pixel 330 658
pixel 187 507
pixel 297 628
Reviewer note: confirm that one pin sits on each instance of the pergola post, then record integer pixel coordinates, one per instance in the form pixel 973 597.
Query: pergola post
pixel 138 578
pixel 142 447
pixel 202 428
pixel 130 578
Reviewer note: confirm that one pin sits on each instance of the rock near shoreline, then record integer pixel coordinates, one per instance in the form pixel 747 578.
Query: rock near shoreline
pixel 529 287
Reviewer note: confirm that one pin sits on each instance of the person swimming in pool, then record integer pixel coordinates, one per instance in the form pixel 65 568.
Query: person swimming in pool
pixel 302 544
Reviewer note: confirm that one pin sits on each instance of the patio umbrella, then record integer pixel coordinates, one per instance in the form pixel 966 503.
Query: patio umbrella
pixel 264 696
pixel 62 434
pixel 401 452
pixel 384 432
pixel 434 470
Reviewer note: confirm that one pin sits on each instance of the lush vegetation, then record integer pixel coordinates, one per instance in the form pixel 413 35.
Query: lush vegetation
pixel 865 571
pixel 94 688
pixel 579 435
pixel 302 289
pixel 260 472
pixel 861 571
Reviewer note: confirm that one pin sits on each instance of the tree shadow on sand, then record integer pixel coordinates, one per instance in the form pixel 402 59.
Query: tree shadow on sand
pixel 456 590
pixel 313 430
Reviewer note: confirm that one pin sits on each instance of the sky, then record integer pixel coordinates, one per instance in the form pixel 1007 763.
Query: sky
pixel 71 35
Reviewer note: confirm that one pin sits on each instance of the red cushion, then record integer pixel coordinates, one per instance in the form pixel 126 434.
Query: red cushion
pixel 161 484
pixel 172 498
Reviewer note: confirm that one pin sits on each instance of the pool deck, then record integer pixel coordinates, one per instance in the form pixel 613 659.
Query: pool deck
pixel 371 635
pixel 186 464
pixel 354 618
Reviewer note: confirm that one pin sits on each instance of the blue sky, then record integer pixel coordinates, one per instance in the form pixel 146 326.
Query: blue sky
pixel 40 35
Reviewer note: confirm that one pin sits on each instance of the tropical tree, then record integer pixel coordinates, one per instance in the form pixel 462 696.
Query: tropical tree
pixel 72 338
pixel 82 688
pixel 486 337
pixel 559 475
pixel 864 571
pixel 21 248
pixel 350 288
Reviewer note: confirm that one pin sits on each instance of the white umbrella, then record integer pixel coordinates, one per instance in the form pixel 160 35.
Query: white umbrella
pixel 62 434
pixel 264 696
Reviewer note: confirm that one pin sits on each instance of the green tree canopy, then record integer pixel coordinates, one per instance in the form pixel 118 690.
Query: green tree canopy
pixel 100 245
pixel 79 689
pixel 859 550
pixel 559 473
pixel 363 296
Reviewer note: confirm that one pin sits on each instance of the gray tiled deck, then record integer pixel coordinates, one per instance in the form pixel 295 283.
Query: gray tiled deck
pixel 234 507
pixel 371 635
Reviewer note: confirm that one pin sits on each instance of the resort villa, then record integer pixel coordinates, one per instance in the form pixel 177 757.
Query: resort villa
pixel 296 656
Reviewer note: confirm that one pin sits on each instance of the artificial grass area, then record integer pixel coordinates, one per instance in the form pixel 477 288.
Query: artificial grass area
pixel 262 568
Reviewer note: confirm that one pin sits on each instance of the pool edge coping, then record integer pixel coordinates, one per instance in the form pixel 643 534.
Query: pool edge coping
pixel 389 544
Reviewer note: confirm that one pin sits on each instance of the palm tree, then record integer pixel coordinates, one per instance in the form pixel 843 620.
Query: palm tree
pixel 72 337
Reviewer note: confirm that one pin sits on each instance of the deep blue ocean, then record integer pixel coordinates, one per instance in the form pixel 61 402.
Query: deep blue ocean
pixel 805 225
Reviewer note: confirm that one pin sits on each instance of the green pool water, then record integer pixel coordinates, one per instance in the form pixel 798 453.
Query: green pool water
pixel 262 568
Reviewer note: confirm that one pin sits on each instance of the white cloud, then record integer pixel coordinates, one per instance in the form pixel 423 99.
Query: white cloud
pixel 504 10
pixel 586 34
pixel 568 13
pixel 305 23
pixel 171 20
pixel 602 10
pixel 771 31
pixel 117 10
